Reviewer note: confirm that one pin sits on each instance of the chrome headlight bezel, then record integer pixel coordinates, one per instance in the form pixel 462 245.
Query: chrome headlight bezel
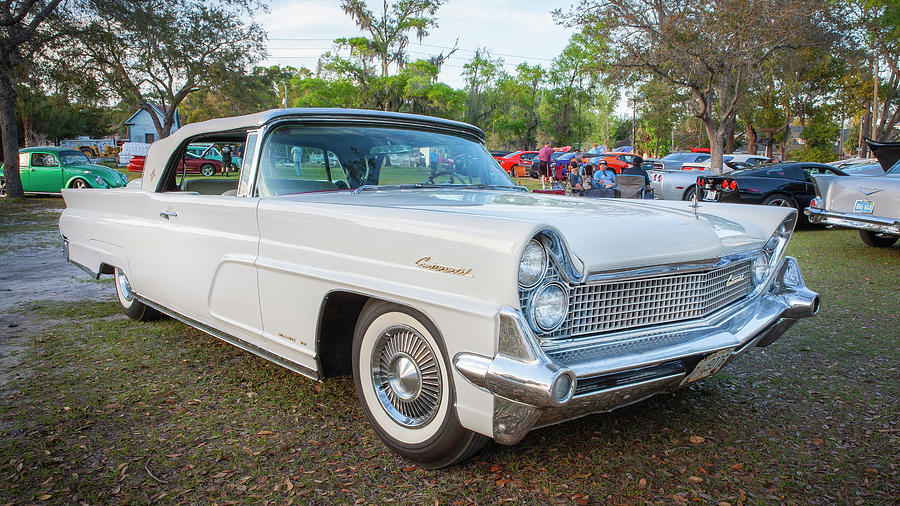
pixel 773 250
pixel 533 278
pixel 562 307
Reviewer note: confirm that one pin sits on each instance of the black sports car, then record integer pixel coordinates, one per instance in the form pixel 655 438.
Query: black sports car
pixel 782 184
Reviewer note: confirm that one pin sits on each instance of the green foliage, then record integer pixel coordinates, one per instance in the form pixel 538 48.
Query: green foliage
pixel 819 135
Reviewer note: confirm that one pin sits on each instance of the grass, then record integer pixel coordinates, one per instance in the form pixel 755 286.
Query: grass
pixel 106 410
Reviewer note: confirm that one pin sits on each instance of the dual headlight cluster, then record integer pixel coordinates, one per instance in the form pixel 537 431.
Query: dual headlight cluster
pixel 549 301
pixel 773 250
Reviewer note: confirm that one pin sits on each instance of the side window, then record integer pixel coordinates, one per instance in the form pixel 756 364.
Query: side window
pixel 293 163
pixel 246 165
pixel 43 160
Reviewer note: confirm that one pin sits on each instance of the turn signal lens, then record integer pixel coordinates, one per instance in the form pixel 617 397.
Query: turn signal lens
pixel 562 388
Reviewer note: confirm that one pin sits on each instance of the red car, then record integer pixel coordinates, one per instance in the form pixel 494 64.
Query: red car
pixel 195 165
pixel 517 158
pixel 618 161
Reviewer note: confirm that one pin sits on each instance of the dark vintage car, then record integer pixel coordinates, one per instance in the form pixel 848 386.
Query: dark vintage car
pixel 784 184
pixel 193 164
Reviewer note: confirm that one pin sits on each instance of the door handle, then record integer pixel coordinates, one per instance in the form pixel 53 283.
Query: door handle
pixel 167 214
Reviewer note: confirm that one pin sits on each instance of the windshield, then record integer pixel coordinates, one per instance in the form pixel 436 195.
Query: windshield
pixel 895 170
pixel 72 157
pixel 297 159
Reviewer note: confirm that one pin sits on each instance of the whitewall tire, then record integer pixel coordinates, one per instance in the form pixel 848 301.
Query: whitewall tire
pixel 135 309
pixel 404 384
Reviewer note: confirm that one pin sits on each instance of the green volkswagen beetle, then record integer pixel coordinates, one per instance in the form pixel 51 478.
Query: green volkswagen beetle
pixel 50 169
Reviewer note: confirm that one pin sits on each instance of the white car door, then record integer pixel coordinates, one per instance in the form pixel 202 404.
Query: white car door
pixel 198 257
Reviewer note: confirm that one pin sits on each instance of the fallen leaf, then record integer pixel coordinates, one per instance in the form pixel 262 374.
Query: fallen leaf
pixel 44 497
pixel 697 439
pixel 695 479
pixel 642 483
pixel 287 483
pixel 264 433
pixel 737 467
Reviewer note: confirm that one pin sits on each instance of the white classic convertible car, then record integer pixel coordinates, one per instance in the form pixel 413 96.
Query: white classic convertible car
pixel 465 307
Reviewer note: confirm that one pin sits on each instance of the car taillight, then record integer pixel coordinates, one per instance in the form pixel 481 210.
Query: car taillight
pixel 733 185
pixel 724 184
pixel 815 202
pixel 700 181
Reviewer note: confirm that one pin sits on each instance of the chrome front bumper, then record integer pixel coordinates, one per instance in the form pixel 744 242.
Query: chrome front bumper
pixel 853 220
pixel 535 385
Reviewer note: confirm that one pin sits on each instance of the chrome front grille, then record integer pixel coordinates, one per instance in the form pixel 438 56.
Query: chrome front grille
pixel 614 305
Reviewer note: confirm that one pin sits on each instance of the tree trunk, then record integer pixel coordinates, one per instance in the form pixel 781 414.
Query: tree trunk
pixel 715 145
pixel 9 135
pixel 751 138
pixel 729 135
pixel 864 126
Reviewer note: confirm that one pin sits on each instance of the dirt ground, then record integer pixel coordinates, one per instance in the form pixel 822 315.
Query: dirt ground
pixel 35 270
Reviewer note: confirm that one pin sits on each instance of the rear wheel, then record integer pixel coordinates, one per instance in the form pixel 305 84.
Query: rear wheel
pixel 404 384
pixel 3 190
pixel 135 309
pixel 877 240
pixel 779 200
pixel 689 194
pixel 207 169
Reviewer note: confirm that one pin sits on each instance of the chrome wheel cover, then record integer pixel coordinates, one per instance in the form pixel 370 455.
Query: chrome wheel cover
pixel 780 203
pixel 79 184
pixel 124 287
pixel 406 376
pixel 2 188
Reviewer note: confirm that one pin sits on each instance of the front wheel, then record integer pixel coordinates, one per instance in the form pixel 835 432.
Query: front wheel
pixel 135 309
pixel 404 384
pixel 79 184
pixel 207 169
pixel 876 240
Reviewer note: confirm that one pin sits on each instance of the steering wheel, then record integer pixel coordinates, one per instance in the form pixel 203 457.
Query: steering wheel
pixel 450 173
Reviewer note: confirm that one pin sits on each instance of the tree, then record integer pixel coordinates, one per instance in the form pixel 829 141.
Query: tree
pixel 388 31
pixel 480 73
pixel 237 93
pixel 20 39
pixel 160 51
pixel 708 48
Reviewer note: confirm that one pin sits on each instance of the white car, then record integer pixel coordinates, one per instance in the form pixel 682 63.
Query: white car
pixel 465 307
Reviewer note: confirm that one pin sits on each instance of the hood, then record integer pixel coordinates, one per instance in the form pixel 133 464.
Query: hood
pixel 112 177
pixel 887 153
pixel 604 234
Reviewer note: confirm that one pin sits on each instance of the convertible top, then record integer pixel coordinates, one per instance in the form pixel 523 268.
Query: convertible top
pixel 229 128
pixel 887 153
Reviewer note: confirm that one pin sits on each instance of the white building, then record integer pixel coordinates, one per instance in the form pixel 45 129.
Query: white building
pixel 139 127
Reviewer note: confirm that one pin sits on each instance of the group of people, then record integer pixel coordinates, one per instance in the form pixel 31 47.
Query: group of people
pixel 588 173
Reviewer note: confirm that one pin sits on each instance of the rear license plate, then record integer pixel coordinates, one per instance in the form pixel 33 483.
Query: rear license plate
pixel 864 207
pixel 711 195
pixel 709 365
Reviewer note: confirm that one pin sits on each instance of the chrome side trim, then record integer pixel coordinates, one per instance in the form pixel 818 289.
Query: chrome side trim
pixel 240 343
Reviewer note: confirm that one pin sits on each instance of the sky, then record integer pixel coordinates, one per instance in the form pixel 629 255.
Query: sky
pixel 517 31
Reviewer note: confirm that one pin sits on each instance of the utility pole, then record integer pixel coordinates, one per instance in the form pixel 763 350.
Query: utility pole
pixel 875 100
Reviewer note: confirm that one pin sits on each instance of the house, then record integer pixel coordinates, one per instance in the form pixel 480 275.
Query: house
pixel 139 127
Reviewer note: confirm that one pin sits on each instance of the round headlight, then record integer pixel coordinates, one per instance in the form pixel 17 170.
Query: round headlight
pixel 533 264
pixel 549 307
pixel 760 267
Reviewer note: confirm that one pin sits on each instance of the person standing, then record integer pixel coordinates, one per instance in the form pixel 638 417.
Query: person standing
pixel 595 150
pixel 297 157
pixel 545 155
pixel 226 159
